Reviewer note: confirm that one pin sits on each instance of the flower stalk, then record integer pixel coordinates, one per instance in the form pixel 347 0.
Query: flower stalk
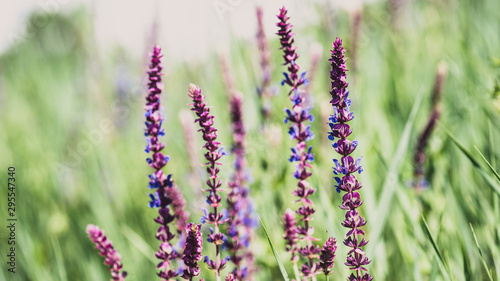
pixel 192 251
pixel 106 250
pixel 165 193
pixel 347 167
pixel 264 91
pixel 241 222
pixel 217 216
pixel 300 131
pixel 420 156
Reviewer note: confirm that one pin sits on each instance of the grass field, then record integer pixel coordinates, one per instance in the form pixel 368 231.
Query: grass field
pixel 72 126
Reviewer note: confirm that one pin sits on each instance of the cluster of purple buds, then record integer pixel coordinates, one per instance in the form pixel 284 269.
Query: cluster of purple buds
pixel 161 183
pixel 297 117
pixel 347 167
pixel 105 247
pixel 264 91
pixel 192 251
pixel 217 216
pixel 290 56
pixel 241 221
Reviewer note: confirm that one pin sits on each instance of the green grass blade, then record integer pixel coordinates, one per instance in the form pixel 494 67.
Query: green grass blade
pixel 391 179
pixel 61 270
pixel 488 163
pixel 481 253
pixel 466 263
pixel 440 259
pixel 491 182
pixel 139 243
pixel 275 253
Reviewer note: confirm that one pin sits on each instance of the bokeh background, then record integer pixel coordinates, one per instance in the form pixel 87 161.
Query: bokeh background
pixel 72 87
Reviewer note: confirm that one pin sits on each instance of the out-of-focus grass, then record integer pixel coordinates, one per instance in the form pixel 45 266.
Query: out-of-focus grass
pixel 57 91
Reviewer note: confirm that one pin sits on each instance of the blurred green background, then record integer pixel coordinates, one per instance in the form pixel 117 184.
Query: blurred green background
pixel 72 126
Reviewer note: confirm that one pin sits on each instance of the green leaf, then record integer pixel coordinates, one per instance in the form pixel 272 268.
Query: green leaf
pixel 491 182
pixel 488 163
pixel 442 264
pixel 481 253
pixel 391 181
pixel 139 243
pixel 275 253
pixel 59 259
pixel 466 263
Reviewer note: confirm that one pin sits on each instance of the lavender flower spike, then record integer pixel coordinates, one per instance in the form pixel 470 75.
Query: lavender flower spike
pixel 162 184
pixel 328 255
pixel 301 153
pixel 214 152
pixel 192 251
pixel 346 167
pixel 105 247
pixel 241 218
pixel 265 92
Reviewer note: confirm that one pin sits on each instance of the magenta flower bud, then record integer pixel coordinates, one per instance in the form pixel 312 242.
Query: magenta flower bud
pixel 328 255
pixel 192 251
pixel 291 235
pixel 106 250
pixel 230 277
pixel 346 167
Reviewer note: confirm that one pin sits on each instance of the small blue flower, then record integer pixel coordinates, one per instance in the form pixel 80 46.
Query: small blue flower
pixel 153 182
pixel 155 202
pixel 309 133
pixel 295 155
pixel 293 132
pixel 310 156
pixel 296 99
pixel 303 79
pixel 204 218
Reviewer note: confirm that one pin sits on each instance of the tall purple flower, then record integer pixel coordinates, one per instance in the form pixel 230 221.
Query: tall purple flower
pixel 192 251
pixel 298 117
pixel 214 152
pixel 161 183
pixel 241 220
pixel 290 56
pixel 347 166
pixel 328 255
pixel 264 91
pixel 420 155
pixel 105 247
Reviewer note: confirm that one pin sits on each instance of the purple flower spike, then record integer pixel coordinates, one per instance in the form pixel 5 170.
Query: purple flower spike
pixel 286 39
pixel 328 255
pixel 165 192
pixel 346 167
pixel 106 250
pixel 291 235
pixel 213 154
pixel 265 92
pixel 298 118
pixel 192 251
pixel 240 224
